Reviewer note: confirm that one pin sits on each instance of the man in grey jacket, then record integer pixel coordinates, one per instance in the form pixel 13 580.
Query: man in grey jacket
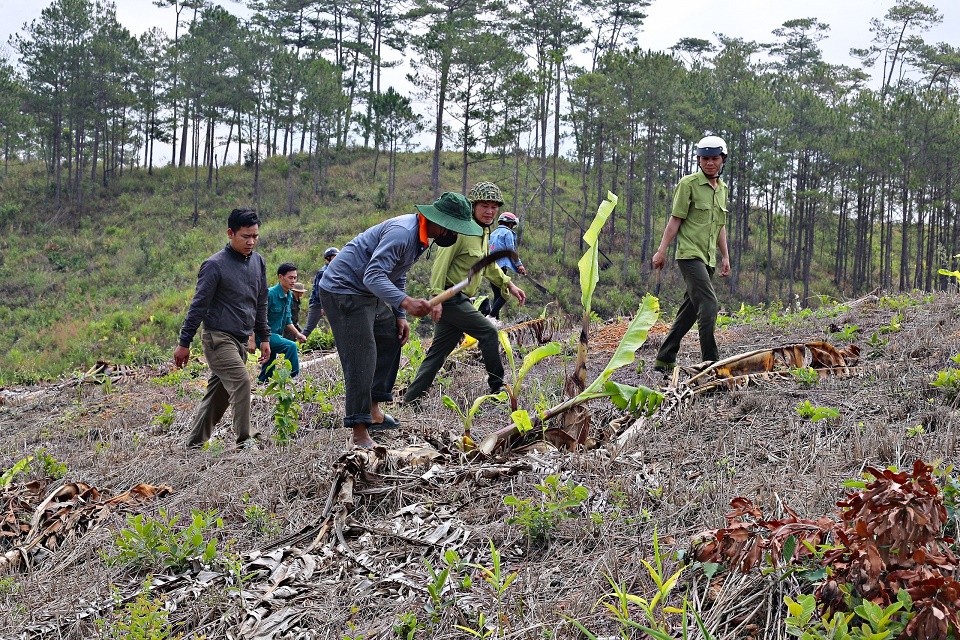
pixel 363 296
pixel 231 303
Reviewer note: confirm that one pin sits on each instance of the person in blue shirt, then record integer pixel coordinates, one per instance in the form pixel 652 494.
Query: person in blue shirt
pixel 363 293
pixel 504 237
pixel 280 320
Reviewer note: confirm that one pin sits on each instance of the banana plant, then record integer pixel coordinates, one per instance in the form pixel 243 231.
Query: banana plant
pixel 640 400
pixel 466 417
pixel 529 360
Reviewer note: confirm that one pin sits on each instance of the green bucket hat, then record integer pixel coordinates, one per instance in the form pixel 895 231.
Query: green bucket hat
pixel 452 211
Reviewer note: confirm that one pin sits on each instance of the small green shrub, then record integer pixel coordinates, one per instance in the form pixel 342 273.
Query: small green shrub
pixel 286 413
pixel 413 354
pixel 806 376
pixel 8 586
pixel 52 468
pixel 165 418
pixel 442 585
pixel 407 626
pixel 877 344
pixel 149 544
pixel 145 618
pixel 948 381
pixel 49 466
pixel 895 324
pixel 867 621
pixel 847 332
pixel 194 369
pixel 320 338
pixel 262 521
pixel 556 504
pixel 816 414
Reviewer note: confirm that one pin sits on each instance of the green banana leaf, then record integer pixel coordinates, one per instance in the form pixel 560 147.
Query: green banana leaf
pixel 590 262
pixel 632 340
pixel 535 356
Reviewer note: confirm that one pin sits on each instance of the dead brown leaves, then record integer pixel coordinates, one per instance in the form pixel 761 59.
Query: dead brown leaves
pixel 33 527
pixel 889 537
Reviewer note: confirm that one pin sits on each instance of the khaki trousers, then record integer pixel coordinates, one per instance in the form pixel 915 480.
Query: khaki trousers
pixel 229 385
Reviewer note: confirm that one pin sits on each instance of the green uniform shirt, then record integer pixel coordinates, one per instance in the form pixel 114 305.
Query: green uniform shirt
pixel 452 263
pixel 278 309
pixel 704 212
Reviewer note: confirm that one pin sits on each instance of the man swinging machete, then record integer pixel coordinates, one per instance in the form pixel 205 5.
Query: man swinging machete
pixel 459 316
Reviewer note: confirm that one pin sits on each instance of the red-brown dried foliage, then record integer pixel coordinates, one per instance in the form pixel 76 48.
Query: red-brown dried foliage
pixel 888 538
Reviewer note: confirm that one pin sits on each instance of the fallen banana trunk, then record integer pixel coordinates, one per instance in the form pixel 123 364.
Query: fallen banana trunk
pixel 734 372
pixel 741 370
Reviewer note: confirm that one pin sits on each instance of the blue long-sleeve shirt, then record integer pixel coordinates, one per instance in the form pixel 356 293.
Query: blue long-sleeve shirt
pixel 503 238
pixel 376 262
pixel 231 296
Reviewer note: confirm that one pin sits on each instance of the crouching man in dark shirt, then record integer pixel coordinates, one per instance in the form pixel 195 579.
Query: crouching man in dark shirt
pixel 231 302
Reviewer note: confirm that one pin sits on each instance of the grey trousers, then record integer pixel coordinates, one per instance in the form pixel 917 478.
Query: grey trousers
pixel 229 385
pixel 458 317
pixel 314 313
pixel 700 306
pixel 368 343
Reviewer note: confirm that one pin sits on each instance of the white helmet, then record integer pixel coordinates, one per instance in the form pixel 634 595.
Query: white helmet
pixel 711 147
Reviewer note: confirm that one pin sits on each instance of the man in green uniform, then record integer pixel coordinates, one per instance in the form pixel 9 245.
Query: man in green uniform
pixel 698 222
pixel 459 316
pixel 279 297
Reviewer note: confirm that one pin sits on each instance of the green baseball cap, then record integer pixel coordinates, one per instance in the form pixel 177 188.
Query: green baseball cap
pixel 452 211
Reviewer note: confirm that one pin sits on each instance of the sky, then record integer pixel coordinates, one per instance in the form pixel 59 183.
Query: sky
pixel 668 21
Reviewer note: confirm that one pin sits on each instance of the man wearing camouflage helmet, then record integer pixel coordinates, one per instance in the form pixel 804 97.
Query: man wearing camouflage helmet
pixel 698 221
pixel 459 315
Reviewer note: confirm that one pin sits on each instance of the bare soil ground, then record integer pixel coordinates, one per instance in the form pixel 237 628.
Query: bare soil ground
pixel 346 544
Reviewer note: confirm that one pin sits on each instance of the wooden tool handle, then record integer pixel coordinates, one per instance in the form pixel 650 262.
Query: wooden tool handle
pixel 446 294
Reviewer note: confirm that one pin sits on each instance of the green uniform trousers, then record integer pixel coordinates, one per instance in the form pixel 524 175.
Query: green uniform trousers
pixel 699 306
pixel 229 385
pixel 458 317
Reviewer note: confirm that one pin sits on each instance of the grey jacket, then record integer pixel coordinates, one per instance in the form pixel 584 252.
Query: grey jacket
pixel 376 262
pixel 231 296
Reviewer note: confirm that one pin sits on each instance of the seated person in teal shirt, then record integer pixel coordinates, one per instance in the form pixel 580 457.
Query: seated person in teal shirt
pixel 281 321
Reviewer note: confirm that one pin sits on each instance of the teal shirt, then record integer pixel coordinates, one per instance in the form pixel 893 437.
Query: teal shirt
pixel 703 210
pixel 278 309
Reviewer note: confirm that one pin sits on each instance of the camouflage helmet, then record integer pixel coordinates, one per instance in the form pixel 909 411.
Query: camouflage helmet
pixel 486 192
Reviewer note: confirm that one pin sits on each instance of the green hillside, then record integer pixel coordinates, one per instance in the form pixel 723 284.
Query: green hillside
pixel 112 281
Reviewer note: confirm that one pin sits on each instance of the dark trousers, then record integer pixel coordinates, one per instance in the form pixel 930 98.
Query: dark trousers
pixel 458 317
pixel 700 306
pixel 498 298
pixel 368 343
pixel 229 385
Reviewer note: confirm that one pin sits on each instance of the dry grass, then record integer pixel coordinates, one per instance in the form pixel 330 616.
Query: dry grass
pixel 368 564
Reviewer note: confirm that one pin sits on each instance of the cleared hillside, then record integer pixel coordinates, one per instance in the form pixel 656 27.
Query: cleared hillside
pixel 320 541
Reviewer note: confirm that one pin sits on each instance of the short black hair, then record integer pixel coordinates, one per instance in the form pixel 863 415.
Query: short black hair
pixel 286 268
pixel 242 218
